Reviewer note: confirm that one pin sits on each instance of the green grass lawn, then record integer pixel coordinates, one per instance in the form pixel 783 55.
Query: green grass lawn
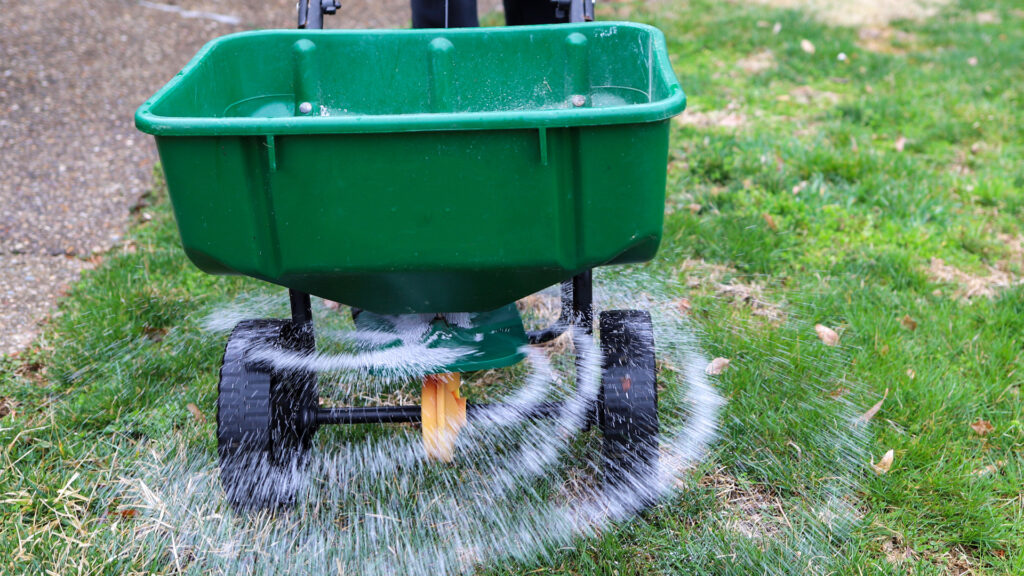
pixel 873 184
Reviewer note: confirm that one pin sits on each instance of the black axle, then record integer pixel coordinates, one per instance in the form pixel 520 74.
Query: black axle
pixel 411 414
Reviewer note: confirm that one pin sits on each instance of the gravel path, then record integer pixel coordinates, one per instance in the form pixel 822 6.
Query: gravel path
pixel 72 164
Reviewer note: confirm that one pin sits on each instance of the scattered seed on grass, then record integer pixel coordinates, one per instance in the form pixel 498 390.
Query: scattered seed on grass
pixel 807 46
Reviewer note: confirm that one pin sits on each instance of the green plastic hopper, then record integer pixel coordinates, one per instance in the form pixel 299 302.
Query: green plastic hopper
pixel 420 171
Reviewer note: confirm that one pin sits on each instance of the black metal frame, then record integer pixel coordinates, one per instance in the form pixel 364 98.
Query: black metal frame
pixel 312 12
pixel 577 10
pixel 577 311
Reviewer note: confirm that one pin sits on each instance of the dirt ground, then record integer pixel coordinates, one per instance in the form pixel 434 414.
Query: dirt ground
pixel 73 165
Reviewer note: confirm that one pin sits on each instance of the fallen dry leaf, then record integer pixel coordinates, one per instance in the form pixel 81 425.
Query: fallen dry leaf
pixel 911 373
pixel 154 334
pixel 867 416
pixel 884 464
pixel 991 468
pixel 982 427
pixel 826 334
pixel 127 513
pixel 694 208
pixel 6 406
pixel 806 46
pixel 717 366
pixel 196 412
pixel 908 323
pixel 684 305
pixel 900 144
pixel 770 222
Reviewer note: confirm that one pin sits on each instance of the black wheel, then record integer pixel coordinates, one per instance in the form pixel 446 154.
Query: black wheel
pixel 263 429
pixel 628 407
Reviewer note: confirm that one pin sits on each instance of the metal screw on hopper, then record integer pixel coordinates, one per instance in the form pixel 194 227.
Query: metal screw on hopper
pixel 305 107
pixel 579 100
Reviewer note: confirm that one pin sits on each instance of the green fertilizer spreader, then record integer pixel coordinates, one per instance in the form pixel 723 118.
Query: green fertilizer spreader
pixel 426 173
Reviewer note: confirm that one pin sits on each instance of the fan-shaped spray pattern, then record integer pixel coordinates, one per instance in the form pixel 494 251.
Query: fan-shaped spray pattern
pixel 517 489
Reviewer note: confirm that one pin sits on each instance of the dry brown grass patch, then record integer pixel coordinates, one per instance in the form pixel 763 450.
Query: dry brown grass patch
pixel 862 12
pixel 885 40
pixel 730 118
pixel 898 552
pixel 751 510
pixel 807 95
pixel 758 62
pixel 971 285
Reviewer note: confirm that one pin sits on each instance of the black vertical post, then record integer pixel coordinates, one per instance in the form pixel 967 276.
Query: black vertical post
pixel 583 301
pixel 311 16
pixel 302 308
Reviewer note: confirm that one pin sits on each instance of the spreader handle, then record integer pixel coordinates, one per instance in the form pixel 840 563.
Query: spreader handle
pixel 311 12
